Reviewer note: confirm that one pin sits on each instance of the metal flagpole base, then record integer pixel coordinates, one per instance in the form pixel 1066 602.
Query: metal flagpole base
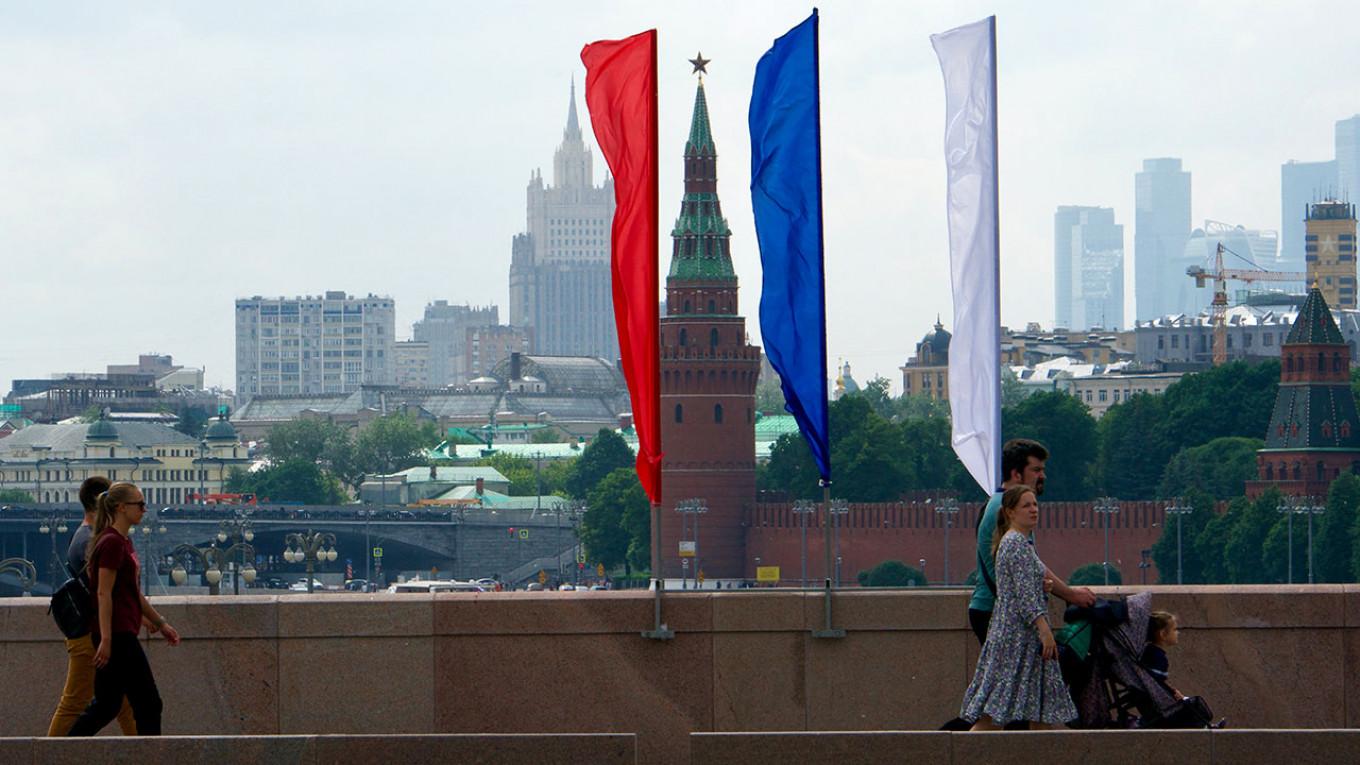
pixel 828 631
pixel 659 631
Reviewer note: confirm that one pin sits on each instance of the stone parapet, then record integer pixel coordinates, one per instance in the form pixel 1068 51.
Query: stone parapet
pixel 563 662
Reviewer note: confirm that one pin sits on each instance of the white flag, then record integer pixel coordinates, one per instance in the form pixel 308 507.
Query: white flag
pixel 968 59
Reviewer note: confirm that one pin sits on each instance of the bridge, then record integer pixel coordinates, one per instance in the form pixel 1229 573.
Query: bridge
pixel 464 543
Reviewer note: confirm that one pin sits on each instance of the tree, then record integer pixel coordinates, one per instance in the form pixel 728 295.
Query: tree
pixel 1164 550
pixel 15 495
pixel 770 395
pixel 607 453
pixel 1194 412
pixel 1012 390
pixel 892 573
pixel 192 420
pixel 920 406
pixel 526 474
pixel 1093 574
pixel 292 481
pixel 609 525
pixel 1332 545
pixel 546 436
pixel 1221 467
pixel 1242 552
pixel 1065 426
pixel 1275 551
pixel 876 393
pixel 928 449
pixel 1131 460
pixel 392 443
pixel 1212 540
pixel 317 441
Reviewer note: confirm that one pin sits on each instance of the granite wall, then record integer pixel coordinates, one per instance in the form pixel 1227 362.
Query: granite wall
pixel 1265 657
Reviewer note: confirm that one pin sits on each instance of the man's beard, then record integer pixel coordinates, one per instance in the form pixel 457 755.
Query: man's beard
pixel 1039 487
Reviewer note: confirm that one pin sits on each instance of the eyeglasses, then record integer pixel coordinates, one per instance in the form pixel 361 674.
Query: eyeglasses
pixel 141 504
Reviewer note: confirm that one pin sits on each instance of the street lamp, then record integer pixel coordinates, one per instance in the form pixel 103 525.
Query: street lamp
pixel 689 508
pixel 947 508
pixel 804 508
pixel 148 530
pixel 1180 509
pixel 24 569
pixel 53 524
pixel 1108 507
pixel 1288 505
pixel 238 527
pixel 576 509
pixel 310 547
pixel 1310 506
pixel 838 508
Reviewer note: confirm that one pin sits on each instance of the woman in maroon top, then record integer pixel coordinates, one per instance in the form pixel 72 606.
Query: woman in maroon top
pixel 120 664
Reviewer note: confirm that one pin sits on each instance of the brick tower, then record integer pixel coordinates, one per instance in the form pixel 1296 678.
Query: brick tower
pixel 708 375
pixel 1314 433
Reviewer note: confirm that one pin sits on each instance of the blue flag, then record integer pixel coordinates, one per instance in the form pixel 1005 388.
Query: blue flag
pixel 786 195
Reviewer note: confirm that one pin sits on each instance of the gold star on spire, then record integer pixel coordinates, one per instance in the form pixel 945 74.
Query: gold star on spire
pixel 700 64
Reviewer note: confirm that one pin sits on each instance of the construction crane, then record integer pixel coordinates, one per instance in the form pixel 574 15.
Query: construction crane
pixel 1219 306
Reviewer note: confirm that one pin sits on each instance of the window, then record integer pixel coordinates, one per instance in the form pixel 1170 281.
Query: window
pixel 713 338
pixel 717 413
pixel 1175 341
pixel 1102 394
pixel 683 334
pixel 679 412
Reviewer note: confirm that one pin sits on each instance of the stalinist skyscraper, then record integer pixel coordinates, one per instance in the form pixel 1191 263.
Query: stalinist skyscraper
pixel 559 268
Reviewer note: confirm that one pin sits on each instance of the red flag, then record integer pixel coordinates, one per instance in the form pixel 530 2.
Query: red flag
pixel 621 98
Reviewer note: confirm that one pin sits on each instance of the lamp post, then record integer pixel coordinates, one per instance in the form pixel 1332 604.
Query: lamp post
pixel 1180 509
pixel 310 547
pixel 690 508
pixel 238 527
pixel 1288 506
pixel 1312 506
pixel 149 530
pixel 1108 507
pixel 838 508
pixel 804 508
pixel 22 568
pixel 576 509
pixel 179 575
pixel 946 508
pixel 53 524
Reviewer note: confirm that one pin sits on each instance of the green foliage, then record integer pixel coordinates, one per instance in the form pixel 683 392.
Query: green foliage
pixel 317 441
pixel 1220 467
pixel 1139 436
pixel 15 495
pixel 1275 550
pixel 919 406
pixel 607 453
pixel 1164 550
pixel 291 481
pixel 876 393
pixel 1332 552
pixel 892 573
pixel 1094 574
pixel 610 523
pixel 1131 461
pixel 547 436
pixel 521 472
pixel 92 413
pixel 1066 427
pixel 192 421
pixel 392 443
pixel 1242 552
pixel 1212 540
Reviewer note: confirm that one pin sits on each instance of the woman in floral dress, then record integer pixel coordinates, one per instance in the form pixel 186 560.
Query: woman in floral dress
pixel 1017 675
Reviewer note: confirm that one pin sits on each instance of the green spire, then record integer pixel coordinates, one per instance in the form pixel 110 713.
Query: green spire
pixel 1315 325
pixel 700 136
pixel 701 236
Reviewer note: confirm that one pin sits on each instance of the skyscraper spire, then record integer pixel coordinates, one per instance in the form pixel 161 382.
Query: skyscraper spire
pixel 573 131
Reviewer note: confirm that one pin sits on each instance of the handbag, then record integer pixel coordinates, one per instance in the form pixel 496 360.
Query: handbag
pixel 72 606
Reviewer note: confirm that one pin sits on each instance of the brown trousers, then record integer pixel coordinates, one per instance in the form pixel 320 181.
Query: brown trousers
pixel 79 689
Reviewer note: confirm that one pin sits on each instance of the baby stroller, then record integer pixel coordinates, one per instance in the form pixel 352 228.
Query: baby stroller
pixel 1110 688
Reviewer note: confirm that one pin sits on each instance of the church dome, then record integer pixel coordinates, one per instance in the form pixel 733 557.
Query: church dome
pixel 220 430
pixel 102 430
pixel 937 339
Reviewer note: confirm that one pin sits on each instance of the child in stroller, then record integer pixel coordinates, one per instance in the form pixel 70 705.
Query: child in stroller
pixel 1111 685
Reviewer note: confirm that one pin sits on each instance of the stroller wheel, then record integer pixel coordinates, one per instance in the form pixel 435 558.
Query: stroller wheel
pixel 1220 724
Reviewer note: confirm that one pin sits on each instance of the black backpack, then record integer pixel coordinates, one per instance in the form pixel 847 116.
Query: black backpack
pixel 72 606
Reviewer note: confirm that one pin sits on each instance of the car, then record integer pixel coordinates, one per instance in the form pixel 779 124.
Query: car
pixel 301 585
pixel 356 585
pixel 598 587
pixel 534 587
pixel 275 583
pixel 566 587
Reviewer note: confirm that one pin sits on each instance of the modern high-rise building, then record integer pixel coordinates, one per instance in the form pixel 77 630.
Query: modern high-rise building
pixel 1088 257
pixel 1347 160
pixel 1329 248
pixel 560 267
pixel 445 328
pixel 1161 225
pixel 332 343
pixel 1301 185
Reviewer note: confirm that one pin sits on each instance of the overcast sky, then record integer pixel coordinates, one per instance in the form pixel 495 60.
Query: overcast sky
pixel 159 160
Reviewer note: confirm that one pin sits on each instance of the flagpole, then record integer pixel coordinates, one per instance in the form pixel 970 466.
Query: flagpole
pixel 996 242
pixel 659 630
